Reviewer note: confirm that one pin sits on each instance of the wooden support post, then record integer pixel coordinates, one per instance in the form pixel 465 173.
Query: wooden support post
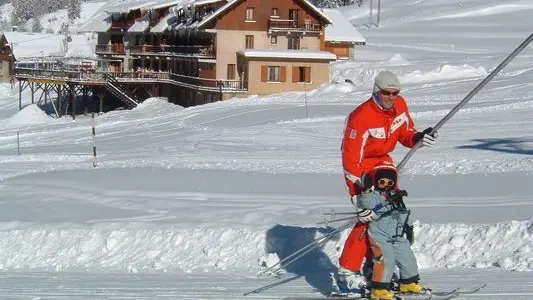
pixel 59 95
pixel 20 94
pixel 101 98
pixel 32 88
pixel 73 100
pixel 85 93
pixel 45 92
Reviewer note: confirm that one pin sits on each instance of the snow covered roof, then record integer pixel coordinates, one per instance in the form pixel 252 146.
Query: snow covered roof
pixel 126 6
pixel 29 45
pixel 164 23
pixel 139 25
pixel 302 54
pixel 340 29
pixel 81 47
pixel 231 3
pixel 100 21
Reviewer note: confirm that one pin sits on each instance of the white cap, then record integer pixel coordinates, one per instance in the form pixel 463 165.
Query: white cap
pixel 386 80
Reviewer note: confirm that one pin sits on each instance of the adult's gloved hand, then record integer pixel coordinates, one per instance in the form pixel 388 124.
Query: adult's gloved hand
pixel 365 184
pixel 427 139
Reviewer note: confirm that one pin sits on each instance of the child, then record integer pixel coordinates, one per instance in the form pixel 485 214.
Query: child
pixel 386 235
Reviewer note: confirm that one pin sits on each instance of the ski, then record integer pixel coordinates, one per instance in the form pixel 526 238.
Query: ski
pixel 399 297
pixel 426 297
pixel 472 290
pixel 460 290
pixel 438 295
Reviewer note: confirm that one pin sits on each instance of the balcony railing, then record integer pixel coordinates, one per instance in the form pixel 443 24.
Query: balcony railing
pixel 293 25
pixel 88 75
pixel 110 49
pixel 163 50
pixel 199 50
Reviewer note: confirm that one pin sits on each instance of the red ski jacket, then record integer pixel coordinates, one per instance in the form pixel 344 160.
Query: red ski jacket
pixel 370 134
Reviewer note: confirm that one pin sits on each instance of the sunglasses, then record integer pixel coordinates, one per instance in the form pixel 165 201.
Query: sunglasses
pixel 387 93
pixel 385 183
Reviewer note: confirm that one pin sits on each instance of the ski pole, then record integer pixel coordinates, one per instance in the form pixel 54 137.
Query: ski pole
pixel 307 248
pixel 469 96
pixel 266 287
pixel 340 213
pixel 334 220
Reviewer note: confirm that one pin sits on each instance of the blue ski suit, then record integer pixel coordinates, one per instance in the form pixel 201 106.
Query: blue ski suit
pixel 386 239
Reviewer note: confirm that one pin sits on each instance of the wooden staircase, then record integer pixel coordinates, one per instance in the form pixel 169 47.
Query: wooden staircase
pixel 121 92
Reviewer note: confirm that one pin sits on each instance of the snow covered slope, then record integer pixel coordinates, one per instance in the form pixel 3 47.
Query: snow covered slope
pixel 193 201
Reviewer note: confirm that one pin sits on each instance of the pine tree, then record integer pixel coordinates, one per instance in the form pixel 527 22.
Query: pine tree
pixel 335 3
pixel 36 25
pixel 74 9
pixel 21 12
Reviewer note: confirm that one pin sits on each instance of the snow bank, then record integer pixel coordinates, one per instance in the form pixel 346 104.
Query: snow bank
pixel 503 245
pixel 126 247
pixel 444 72
pixel 136 247
pixel 485 11
pixel 361 75
pixel 28 116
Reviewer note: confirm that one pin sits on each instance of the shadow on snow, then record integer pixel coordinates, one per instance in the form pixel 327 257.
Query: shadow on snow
pixel 508 145
pixel 314 266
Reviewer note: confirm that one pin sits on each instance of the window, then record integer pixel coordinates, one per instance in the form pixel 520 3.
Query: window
pixel 293 15
pixel 273 74
pixel 249 42
pixel 294 43
pixel 301 74
pixel 231 72
pixel 274 40
pixel 249 14
pixel 275 12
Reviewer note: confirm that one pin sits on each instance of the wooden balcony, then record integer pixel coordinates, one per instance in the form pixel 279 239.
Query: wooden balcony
pixel 163 50
pixel 169 50
pixel 116 49
pixel 96 77
pixel 281 25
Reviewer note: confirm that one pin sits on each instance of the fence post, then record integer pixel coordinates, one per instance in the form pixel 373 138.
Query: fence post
pixel 18 143
pixel 94 139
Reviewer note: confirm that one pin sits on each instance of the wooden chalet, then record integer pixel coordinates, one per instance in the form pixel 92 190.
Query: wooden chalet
pixel 200 51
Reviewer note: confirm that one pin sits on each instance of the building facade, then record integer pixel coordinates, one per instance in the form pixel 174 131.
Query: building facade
pixel 236 48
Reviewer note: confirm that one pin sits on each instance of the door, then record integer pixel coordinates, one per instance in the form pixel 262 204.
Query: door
pixel 293 15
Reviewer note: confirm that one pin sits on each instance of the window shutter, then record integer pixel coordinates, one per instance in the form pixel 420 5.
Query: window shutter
pixel 264 72
pixel 307 72
pixel 283 75
pixel 295 74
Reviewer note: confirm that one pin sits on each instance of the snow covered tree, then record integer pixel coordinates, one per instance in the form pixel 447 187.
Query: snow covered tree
pixel 22 11
pixel 74 9
pixel 335 3
pixel 36 26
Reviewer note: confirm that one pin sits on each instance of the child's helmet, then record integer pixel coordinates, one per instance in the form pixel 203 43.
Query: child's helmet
pixel 385 177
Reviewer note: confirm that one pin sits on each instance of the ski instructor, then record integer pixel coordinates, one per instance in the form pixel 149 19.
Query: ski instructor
pixel 371 132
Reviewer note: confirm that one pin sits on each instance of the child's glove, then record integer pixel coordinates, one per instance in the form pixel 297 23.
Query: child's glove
pixel 396 199
pixel 366 215
pixel 409 233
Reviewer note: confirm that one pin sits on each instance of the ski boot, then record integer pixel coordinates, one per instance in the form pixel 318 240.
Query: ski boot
pixel 395 283
pixel 413 288
pixel 349 283
pixel 381 294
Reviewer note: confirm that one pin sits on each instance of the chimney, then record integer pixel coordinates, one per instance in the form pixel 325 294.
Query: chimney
pixel 15 28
